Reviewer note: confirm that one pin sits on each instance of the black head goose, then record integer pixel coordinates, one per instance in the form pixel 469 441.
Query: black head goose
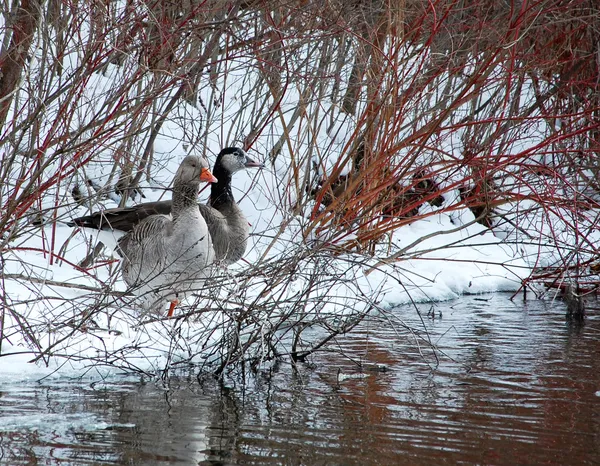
pixel 226 222
pixel 166 255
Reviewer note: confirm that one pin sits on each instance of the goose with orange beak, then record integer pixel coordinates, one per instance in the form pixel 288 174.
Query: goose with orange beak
pixel 166 257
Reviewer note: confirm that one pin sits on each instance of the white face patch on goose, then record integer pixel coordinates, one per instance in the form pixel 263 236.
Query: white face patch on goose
pixel 234 161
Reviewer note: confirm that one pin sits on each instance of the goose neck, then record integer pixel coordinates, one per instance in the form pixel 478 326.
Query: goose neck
pixel 220 193
pixel 184 195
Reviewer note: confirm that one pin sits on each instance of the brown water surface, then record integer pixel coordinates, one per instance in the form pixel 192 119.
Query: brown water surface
pixel 509 383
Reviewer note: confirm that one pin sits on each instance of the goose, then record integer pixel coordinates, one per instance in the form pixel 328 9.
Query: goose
pixel 165 256
pixel 226 222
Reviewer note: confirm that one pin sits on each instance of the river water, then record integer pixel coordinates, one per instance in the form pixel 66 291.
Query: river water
pixel 508 383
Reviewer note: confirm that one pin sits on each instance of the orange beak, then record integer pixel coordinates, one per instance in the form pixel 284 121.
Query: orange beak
pixel 207 176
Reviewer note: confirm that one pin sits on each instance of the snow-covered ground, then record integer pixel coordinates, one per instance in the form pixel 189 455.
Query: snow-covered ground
pixel 59 320
pixel 113 342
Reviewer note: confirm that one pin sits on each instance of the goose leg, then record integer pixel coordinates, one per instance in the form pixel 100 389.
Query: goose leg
pixel 174 304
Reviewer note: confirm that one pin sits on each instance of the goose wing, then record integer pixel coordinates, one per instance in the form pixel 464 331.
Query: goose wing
pixel 122 218
pixel 146 238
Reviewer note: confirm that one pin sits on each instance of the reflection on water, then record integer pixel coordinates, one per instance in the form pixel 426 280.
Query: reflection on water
pixel 509 383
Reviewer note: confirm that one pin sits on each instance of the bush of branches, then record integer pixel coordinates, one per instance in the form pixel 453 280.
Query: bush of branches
pixel 371 115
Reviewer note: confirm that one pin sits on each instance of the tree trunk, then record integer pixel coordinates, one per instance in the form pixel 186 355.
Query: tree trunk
pixel 13 61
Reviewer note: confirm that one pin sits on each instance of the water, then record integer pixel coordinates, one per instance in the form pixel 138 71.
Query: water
pixel 510 383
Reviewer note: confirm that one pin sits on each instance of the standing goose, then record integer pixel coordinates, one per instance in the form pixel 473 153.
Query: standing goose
pixel 226 222
pixel 168 255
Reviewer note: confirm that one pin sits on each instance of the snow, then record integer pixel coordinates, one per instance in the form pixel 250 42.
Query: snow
pixel 447 255
pixel 438 273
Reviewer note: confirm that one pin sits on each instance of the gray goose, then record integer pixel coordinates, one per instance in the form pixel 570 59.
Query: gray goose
pixel 165 256
pixel 226 222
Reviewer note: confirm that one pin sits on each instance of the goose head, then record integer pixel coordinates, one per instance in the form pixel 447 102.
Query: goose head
pixel 234 159
pixel 193 170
